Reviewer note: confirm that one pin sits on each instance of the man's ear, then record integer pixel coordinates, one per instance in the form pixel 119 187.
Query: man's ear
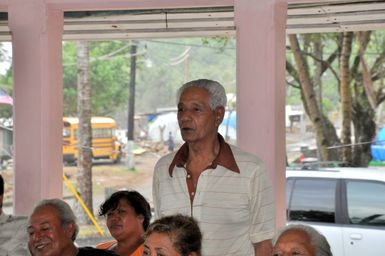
pixel 140 217
pixel 69 230
pixel 219 114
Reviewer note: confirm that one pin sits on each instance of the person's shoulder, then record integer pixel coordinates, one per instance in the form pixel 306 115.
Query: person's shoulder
pixel 165 161
pixel 13 221
pixel 90 251
pixel 242 156
pixel 105 245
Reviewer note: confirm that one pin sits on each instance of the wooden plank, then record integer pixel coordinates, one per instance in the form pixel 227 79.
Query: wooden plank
pixel 144 35
pixel 133 17
pixel 195 24
pixel 113 26
pixel 159 24
pixel 211 15
pixel 348 7
pixel 333 18
pixel 154 16
pixel 338 27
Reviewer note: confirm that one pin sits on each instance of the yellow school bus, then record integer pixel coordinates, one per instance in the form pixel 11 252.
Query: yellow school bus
pixel 104 141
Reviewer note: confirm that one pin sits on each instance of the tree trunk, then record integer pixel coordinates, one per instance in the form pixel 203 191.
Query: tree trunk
pixel 317 45
pixel 131 92
pixel 84 173
pixel 364 131
pixel 325 131
pixel 346 97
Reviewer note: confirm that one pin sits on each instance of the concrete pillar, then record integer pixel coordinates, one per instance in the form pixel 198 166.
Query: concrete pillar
pixel 38 102
pixel 261 87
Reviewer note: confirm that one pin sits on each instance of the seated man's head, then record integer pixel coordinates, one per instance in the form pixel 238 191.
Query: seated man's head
pixel 128 214
pixel 300 240
pixel 174 235
pixel 52 228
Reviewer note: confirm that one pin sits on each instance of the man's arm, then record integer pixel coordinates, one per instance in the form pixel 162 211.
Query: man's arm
pixel 263 248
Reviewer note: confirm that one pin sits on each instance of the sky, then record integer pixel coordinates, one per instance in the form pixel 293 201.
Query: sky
pixel 4 65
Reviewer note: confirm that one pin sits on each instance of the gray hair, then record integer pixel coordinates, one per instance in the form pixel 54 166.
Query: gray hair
pixel 216 90
pixel 182 230
pixel 64 211
pixel 317 240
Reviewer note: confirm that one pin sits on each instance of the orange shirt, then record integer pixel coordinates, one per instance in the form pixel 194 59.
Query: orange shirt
pixel 110 244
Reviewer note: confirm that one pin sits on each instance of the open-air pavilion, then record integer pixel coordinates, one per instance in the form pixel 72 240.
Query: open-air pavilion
pixel 38 27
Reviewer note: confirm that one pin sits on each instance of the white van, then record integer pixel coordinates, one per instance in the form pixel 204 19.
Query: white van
pixel 347 205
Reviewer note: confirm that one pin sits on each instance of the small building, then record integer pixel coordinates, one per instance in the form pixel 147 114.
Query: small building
pixel 6 142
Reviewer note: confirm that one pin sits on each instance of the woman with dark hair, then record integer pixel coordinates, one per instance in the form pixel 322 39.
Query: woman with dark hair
pixel 175 235
pixel 128 215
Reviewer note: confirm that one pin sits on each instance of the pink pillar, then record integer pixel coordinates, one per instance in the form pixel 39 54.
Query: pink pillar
pixel 37 68
pixel 261 87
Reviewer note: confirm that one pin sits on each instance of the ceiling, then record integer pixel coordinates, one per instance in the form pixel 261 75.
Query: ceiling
pixel 326 16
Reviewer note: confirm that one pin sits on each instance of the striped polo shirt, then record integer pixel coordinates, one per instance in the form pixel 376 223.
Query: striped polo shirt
pixel 233 201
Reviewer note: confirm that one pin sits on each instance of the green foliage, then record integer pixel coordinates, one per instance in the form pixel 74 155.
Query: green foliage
pixel 6 84
pixel 108 76
pixel 161 69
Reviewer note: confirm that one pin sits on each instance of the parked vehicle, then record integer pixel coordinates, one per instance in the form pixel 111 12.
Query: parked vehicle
pixel 104 142
pixel 347 205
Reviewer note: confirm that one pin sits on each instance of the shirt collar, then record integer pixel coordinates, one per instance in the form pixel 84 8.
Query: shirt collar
pixel 224 158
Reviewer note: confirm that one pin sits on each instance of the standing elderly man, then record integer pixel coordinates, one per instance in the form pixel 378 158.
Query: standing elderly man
pixel 227 190
pixel 52 230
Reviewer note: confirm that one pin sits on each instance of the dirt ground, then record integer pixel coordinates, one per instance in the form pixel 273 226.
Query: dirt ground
pixel 107 178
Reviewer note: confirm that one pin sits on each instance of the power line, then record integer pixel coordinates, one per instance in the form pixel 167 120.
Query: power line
pixel 188 44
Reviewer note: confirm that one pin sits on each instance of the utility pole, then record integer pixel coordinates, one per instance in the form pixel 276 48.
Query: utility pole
pixel 131 107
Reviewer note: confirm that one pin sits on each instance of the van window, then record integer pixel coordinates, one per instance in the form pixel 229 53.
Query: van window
pixel 366 203
pixel 313 200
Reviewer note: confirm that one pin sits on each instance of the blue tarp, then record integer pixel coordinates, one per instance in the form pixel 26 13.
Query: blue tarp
pixel 378 148
pixel 230 120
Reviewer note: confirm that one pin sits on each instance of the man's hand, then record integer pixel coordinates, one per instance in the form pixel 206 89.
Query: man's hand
pixel 263 248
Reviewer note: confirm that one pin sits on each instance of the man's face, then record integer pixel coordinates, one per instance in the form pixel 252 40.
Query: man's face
pixel 159 244
pixel 196 120
pixel 47 237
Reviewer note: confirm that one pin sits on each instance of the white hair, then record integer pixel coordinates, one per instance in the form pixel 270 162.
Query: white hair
pixel 317 240
pixel 64 211
pixel 217 92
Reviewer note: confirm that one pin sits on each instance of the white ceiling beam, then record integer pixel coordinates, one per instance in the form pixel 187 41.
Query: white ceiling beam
pixel 144 35
pixel 336 18
pixel 336 8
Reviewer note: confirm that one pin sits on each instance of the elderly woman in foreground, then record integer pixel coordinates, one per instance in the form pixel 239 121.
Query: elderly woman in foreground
pixel 300 240
pixel 175 235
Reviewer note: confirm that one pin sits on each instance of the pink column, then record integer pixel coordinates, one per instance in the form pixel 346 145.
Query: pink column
pixel 37 69
pixel 261 87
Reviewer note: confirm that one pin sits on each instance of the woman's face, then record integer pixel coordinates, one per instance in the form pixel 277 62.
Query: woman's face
pixel 159 244
pixel 294 242
pixel 123 222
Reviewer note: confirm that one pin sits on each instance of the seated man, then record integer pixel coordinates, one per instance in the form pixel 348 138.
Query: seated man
pixel 301 240
pixel 52 230
pixel 13 238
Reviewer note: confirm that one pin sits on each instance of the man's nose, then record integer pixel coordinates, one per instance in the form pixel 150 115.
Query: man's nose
pixel 184 115
pixel 36 236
